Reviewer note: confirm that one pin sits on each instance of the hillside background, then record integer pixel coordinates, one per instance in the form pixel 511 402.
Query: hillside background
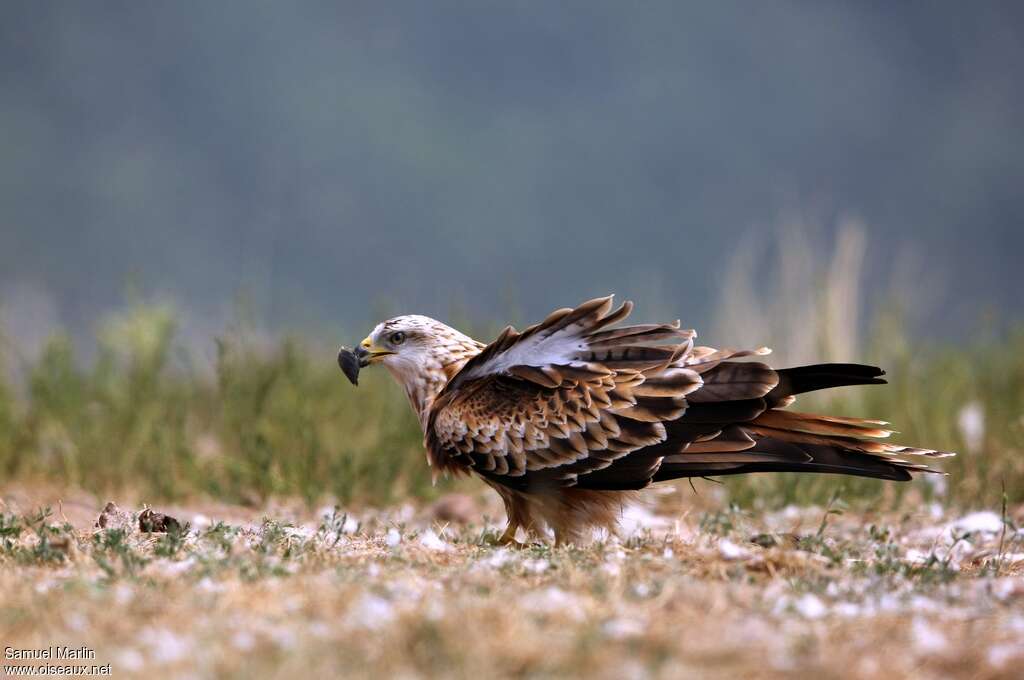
pixel 321 162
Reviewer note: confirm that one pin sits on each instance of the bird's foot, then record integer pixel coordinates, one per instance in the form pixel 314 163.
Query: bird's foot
pixel 508 539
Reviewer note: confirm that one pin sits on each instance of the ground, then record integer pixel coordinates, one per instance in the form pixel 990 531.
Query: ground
pixel 687 591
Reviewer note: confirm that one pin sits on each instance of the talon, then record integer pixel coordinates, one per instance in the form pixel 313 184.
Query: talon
pixel 508 538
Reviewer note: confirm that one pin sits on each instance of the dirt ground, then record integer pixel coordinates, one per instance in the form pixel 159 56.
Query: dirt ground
pixel 686 591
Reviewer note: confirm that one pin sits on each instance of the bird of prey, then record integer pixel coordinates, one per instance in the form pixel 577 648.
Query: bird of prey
pixel 570 417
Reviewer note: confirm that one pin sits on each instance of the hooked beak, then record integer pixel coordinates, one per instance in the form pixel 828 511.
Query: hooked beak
pixel 368 354
pixel 351 361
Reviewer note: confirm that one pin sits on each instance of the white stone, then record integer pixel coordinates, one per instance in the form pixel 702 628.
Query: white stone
pixel 165 646
pixel 637 517
pixel 810 606
pixel 498 558
pixel 621 628
pixel 129 659
pixel 393 538
pixel 983 521
pixel 431 541
pixel 536 566
pixel 1001 654
pixel 731 551
pixel 847 610
pixel 371 611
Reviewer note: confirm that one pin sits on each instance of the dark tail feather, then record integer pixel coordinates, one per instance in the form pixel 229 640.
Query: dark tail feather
pixel 796 457
pixel 802 379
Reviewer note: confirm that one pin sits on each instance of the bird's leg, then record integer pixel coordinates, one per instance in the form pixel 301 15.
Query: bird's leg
pixel 509 537
pixel 564 539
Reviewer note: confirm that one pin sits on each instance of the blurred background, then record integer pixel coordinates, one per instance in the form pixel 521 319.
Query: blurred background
pixel 199 201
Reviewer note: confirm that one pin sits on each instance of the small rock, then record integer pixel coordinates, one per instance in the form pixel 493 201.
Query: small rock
pixel 636 517
pixel 731 551
pixel 984 521
pixel 165 646
pixel 498 558
pixel 201 521
pixel 621 628
pixel 393 538
pixel 810 606
pixel 847 609
pixel 130 659
pixel 371 611
pixel 113 517
pixel 538 566
pixel 431 541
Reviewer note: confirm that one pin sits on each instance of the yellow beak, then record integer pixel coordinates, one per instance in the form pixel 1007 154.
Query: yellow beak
pixel 369 353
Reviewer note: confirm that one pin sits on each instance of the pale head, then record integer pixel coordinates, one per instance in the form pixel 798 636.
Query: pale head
pixel 421 353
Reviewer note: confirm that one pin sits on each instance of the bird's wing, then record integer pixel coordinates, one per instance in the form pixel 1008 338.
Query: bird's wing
pixel 573 401
pixel 564 397
pixel 572 340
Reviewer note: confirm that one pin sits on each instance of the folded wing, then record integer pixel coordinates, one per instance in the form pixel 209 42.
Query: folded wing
pixel 575 401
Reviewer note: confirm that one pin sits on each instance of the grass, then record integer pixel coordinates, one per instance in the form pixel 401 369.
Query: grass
pixel 282 422
pixel 965 396
pixel 930 392
pixel 277 420
pixel 271 592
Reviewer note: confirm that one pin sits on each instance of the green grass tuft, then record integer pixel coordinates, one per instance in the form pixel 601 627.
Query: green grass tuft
pixel 284 422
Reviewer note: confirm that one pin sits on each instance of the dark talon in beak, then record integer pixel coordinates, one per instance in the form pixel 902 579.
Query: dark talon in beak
pixel 350 363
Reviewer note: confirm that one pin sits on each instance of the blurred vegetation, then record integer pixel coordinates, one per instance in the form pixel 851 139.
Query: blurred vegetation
pixel 264 422
pixel 272 419
pixel 967 398
pixel 964 399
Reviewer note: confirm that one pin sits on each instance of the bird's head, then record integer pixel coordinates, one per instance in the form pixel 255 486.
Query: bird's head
pixel 421 353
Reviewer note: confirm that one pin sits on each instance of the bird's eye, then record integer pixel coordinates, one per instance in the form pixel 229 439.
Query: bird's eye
pixel 397 338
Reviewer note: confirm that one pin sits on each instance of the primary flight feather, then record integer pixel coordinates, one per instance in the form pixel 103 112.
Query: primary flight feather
pixel 569 417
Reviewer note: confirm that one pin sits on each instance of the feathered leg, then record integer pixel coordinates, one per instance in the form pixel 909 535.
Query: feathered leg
pixel 517 510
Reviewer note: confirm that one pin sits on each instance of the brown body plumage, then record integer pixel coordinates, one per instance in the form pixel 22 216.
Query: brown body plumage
pixel 567 419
